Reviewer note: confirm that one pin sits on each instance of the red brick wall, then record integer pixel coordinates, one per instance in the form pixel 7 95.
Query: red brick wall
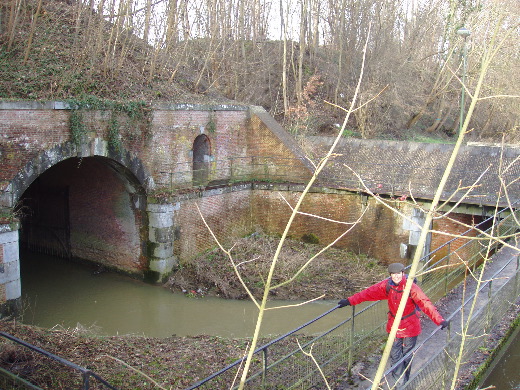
pixel 168 141
pixel 262 142
pixel 228 215
pixel 174 133
pixel 105 225
pixel 93 202
pixel 25 133
pixel 451 226
pixel 239 213
pixel 378 234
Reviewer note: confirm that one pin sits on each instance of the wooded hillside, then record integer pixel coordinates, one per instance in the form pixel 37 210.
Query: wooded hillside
pixel 290 57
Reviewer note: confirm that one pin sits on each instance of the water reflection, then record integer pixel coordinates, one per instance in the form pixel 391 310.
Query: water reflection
pixel 58 292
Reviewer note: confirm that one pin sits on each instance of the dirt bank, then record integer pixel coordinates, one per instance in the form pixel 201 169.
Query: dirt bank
pixel 332 275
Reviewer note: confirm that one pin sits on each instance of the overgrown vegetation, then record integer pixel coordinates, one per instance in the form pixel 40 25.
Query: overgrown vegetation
pixel 150 51
pixel 133 117
pixel 335 273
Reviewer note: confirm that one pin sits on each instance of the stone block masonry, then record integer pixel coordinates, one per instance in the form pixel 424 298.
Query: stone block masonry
pixel 161 238
pixel 10 284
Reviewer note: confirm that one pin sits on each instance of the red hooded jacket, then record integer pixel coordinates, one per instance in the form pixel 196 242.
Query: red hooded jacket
pixel 410 323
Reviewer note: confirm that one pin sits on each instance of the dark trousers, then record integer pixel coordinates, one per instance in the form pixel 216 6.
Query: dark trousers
pixel 400 348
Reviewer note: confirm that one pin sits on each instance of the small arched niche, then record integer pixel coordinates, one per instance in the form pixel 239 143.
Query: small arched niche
pixel 201 160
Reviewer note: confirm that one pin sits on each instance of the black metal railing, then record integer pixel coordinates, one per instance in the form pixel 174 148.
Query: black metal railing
pixel 83 374
pixel 280 363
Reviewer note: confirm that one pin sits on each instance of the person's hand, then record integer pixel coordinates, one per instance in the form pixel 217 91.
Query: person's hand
pixel 444 324
pixel 343 303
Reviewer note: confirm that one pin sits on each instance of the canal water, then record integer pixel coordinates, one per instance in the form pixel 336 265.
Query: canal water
pixel 57 292
pixel 505 373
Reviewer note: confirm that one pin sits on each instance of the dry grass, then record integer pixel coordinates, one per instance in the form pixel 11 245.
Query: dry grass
pixel 335 274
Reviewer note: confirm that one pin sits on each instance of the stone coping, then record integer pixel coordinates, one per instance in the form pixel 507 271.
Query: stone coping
pixel 159 106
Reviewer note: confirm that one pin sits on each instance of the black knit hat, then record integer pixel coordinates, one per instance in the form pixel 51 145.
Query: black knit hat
pixel 395 268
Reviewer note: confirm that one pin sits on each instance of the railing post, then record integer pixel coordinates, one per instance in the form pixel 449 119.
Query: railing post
pixel 86 380
pixel 517 276
pixel 446 270
pixel 488 308
pixel 351 341
pixel 447 359
pixel 231 173
pixel 264 366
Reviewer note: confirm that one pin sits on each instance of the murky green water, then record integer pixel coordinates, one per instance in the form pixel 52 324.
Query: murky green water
pixel 56 292
pixel 505 375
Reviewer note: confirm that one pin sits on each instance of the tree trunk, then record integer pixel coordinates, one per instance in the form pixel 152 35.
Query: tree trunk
pixel 284 60
pixel 303 29
pixel 31 33
pixel 341 34
pixel 147 17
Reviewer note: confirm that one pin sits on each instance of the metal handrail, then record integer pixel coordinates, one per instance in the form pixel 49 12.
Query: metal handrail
pixel 86 374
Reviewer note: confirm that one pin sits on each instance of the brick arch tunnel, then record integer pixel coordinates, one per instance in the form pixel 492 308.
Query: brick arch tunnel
pixel 90 208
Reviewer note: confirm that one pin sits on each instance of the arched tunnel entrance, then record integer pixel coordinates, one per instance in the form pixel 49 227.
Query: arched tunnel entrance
pixel 90 208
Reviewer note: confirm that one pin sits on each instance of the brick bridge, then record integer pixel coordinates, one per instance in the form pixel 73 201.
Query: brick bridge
pixel 100 185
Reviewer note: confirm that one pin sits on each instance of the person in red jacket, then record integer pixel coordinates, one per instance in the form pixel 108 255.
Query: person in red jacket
pixel 392 289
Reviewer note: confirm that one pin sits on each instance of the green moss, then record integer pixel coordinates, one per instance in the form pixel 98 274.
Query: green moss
pixel 153 277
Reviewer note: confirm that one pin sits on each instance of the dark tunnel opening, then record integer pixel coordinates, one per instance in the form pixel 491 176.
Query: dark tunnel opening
pixel 88 209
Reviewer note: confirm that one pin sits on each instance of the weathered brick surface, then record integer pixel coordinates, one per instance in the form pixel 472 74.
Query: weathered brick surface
pixel 398 168
pixel 228 215
pixel 378 234
pixel 108 221
pixel 453 228
pixel 238 213
pixel 107 203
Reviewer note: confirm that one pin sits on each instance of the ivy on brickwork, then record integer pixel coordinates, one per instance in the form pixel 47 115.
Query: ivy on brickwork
pixel 137 113
pixel 211 126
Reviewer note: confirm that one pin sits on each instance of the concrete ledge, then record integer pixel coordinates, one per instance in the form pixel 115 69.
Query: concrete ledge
pixel 163 250
pixel 8 235
pixel 13 290
pixel 165 106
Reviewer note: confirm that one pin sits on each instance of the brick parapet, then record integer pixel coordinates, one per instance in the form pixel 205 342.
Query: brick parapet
pixel 398 168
